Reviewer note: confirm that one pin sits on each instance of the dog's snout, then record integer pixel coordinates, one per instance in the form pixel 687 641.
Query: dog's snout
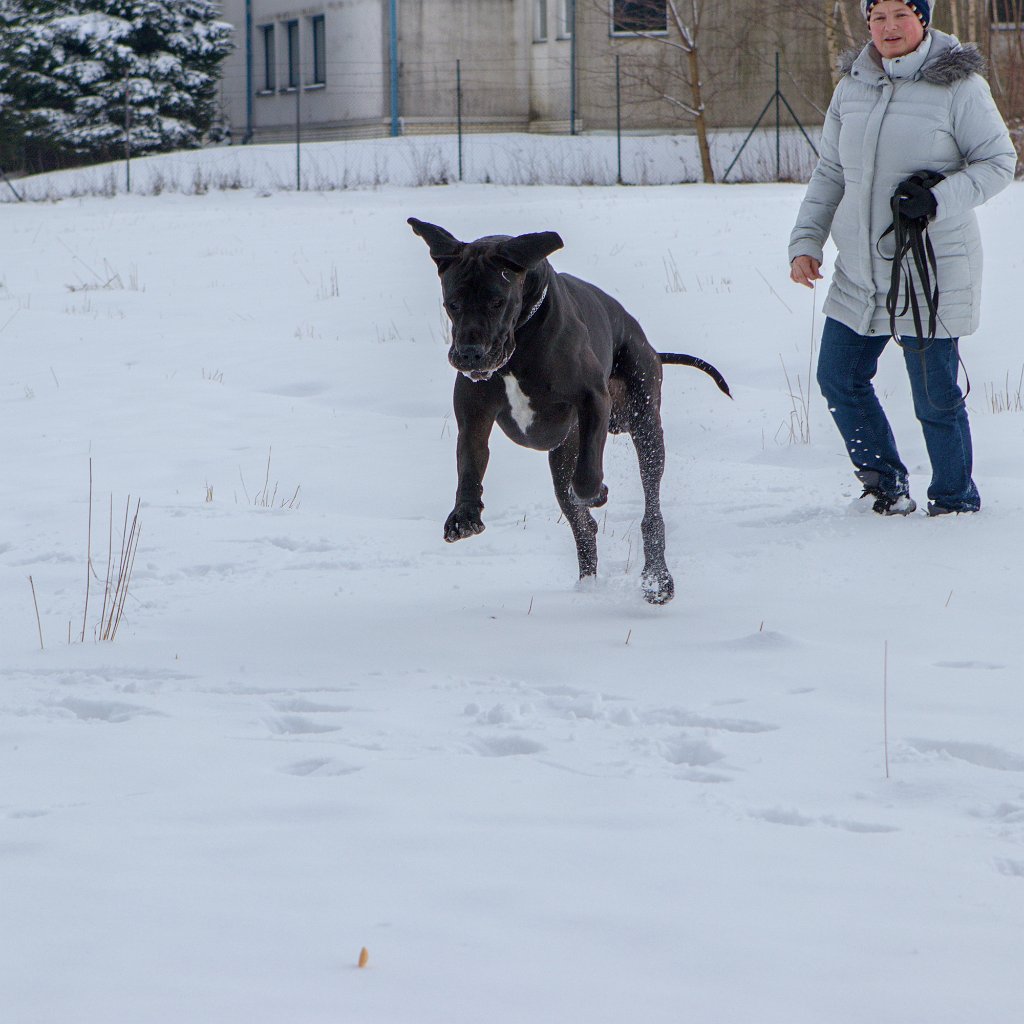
pixel 471 355
pixel 472 347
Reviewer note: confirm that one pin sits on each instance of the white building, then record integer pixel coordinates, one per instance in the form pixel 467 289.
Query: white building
pixel 357 68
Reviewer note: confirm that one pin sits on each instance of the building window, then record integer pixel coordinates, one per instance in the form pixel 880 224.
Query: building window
pixel 292 30
pixel 1007 13
pixel 269 59
pixel 319 50
pixel 566 16
pixel 631 16
pixel 540 21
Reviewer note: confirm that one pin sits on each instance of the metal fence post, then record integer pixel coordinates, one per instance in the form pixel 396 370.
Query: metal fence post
pixel 393 51
pixel 127 135
pixel 7 182
pixel 778 122
pixel 247 138
pixel 572 66
pixel 618 119
pixel 458 109
pixel 776 98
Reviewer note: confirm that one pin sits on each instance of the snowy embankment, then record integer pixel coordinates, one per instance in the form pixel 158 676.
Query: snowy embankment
pixel 416 160
pixel 321 728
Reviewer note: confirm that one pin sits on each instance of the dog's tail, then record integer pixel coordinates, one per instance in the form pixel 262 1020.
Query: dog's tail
pixel 678 359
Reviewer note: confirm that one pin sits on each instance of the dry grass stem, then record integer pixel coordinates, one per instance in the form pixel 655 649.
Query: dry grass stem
pixel 39 622
pixel 266 497
pixel 110 561
pixel 800 413
pixel 1006 400
pixel 885 705
pixel 116 589
pixel 88 557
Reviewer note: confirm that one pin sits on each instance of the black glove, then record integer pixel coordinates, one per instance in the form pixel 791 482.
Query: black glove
pixel 915 200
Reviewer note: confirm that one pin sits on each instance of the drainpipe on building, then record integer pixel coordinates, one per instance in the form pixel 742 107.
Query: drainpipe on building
pixel 572 67
pixel 247 138
pixel 393 32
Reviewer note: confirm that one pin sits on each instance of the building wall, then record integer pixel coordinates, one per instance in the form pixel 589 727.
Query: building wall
pixel 354 98
pixel 487 38
pixel 516 72
pixel 737 69
pixel 549 62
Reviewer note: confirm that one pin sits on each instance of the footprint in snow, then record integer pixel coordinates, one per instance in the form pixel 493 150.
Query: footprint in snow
pixel 687 719
pixel 1004 813
pixel 103 710
pixel 692 753
pixel 979 754
pixel 792 817
pixel 862 827
pixel 298 725
pixel 505 746
pixel 301 704
pixel 989 665
pixel 321 766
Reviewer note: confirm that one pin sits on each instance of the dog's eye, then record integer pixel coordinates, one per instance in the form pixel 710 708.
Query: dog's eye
pixel 453 307
pixel 497 302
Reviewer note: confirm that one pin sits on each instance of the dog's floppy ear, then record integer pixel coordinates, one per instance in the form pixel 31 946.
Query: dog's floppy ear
pixel 445 248
pixel 525 251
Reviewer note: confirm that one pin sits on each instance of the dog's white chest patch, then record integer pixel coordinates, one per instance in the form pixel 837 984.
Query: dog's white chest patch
pixel 519 403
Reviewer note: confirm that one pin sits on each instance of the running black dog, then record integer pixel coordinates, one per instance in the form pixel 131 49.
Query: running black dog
pixel 558 364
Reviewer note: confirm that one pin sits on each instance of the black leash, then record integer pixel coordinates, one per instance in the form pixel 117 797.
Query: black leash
pixel 914 254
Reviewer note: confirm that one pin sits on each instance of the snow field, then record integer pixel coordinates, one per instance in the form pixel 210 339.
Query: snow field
pixel 321 728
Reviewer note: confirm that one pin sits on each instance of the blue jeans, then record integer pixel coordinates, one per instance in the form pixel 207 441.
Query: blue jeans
pixel 847 364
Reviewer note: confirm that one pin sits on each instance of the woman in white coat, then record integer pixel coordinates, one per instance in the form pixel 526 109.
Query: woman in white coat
pixel 912 101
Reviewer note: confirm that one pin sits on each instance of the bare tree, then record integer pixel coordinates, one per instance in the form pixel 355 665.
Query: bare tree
pixel 1005 41
pixel 675 25
pixel 972 19
pixel 832 39
pixel 954 16
pixel 688 30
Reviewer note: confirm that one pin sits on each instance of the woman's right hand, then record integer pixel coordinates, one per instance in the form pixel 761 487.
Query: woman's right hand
pixel 805 270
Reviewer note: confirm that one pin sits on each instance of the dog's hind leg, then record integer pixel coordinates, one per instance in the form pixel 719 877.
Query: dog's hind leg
pixel 640 414
pixel 562 461
pixel 639 370
pixel 649 441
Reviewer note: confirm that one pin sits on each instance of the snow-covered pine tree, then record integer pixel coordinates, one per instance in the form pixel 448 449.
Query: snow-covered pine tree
pixel 79 78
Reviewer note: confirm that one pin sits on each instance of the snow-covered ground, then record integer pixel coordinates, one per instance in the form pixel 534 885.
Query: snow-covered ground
pixel 320 728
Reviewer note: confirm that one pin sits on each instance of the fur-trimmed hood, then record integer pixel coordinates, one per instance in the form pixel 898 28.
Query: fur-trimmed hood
pixel 949 62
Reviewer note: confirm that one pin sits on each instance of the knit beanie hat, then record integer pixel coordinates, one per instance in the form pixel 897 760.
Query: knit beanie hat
pixel 922 8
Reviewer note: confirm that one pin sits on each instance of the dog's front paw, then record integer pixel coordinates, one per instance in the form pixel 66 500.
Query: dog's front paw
pixel 591 501
pixel 462 523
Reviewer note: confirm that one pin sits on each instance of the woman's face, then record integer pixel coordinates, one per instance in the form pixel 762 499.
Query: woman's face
pixel 895 29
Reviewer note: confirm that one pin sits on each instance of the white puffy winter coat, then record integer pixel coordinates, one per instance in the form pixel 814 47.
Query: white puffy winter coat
pixel 878 131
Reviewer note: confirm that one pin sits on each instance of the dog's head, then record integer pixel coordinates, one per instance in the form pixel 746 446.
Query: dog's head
pixel 483 285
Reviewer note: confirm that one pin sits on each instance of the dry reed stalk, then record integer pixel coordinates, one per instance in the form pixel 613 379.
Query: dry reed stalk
pixel 39 622
pixel 261 498
pixel 88 556
pixel 885 704
pixel 117 587
pixel 110 558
